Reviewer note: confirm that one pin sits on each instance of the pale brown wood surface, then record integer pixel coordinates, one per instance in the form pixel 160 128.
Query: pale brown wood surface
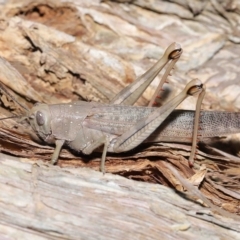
pixel 39 201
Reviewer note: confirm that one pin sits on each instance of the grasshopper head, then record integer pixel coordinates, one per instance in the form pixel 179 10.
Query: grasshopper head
pixel 39 118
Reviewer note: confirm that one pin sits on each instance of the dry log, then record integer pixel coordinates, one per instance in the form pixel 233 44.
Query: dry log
pixel 47 202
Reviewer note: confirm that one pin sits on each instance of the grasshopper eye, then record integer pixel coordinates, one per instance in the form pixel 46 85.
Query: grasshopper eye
pixel 40 118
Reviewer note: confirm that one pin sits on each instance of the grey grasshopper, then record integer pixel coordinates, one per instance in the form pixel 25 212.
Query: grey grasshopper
pixel 120 127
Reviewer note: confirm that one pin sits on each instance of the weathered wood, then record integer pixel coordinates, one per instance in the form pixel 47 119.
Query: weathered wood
pixel 49 202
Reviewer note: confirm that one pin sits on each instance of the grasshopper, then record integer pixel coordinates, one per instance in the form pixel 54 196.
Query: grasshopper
pixel 120 127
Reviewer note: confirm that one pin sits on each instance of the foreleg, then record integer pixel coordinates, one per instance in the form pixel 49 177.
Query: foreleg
pixel 55 156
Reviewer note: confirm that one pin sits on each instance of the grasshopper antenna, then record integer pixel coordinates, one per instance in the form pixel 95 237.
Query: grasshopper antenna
pixel 10 117
pixel 3 89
